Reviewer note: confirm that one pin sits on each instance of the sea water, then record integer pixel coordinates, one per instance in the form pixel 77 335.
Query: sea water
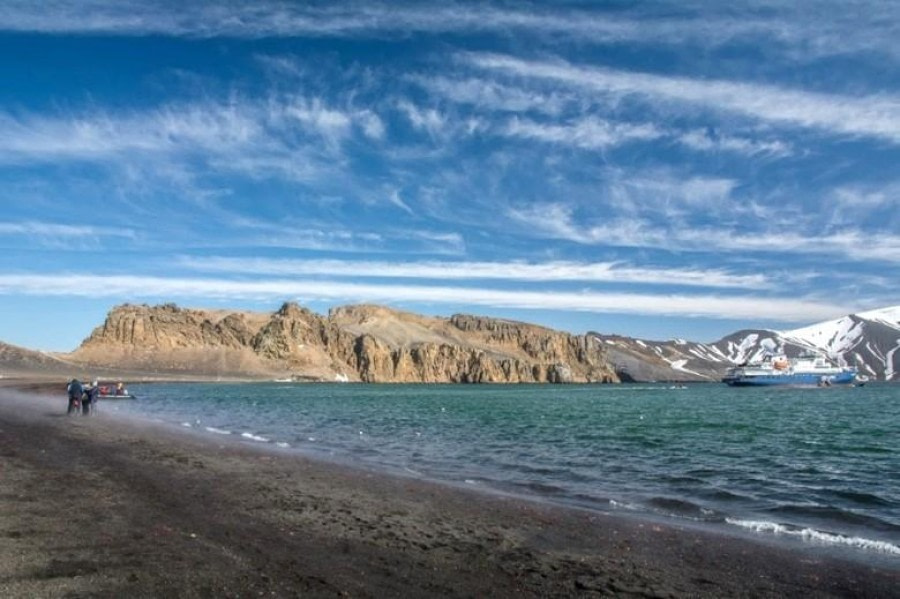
pixel 821 466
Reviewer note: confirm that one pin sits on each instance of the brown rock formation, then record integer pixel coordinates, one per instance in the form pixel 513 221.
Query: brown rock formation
pixel 366 343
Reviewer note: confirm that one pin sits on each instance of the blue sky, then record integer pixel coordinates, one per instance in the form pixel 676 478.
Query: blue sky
pixel 670 169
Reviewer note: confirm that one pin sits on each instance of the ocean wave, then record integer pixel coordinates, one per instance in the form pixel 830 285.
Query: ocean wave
pixel 217 431
pixel 816 536
pixel 624 505
pixel 253 437
pixel 832 514
pixel 860 497
pixel 681 508
pixel 722 495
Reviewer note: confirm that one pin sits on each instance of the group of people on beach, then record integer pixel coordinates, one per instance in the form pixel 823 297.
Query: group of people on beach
pixel 84 397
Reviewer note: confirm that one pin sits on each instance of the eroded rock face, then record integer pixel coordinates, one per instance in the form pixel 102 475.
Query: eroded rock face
pixel 366 343
pixel 168 326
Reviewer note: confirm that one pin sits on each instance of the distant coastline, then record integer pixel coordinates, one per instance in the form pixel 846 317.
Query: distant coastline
pixel 376 344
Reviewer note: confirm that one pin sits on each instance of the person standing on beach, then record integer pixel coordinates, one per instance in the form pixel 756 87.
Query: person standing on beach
pixel 75 390
pixel 90 399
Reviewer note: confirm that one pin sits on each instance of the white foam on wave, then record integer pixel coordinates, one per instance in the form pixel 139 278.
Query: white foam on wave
pixel 253 437
pixel 187 425
pixel 817 536
pixel 282 444
pixel 623 505
pixel 217 431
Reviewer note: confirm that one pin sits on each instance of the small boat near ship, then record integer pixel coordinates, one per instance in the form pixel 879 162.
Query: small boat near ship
pixel 806 370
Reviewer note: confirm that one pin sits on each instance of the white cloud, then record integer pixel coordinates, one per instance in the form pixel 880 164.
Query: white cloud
pixel 55 230
pixel 435 242
pixel 395 199
pixel 805 30
pixel 371 124
pixel 857 198
pixel 873 116
pixel 207 128
pixel 701 306
pixel 664 193
pixel 100 135
pixel 607 272
pixel 492 95
pixel 701 140
pixel 331 124
pixel 259 139
pixel 591 133
pixel 557 221
pixel 427 119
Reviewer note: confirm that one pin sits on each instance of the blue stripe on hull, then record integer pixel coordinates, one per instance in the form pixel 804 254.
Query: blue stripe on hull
pixel 808 380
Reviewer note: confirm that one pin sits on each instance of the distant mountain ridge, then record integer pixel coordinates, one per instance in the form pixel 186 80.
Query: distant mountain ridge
pixel 868 340
pixel 378 344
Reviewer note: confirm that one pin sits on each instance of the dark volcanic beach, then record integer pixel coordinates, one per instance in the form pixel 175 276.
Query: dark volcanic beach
pixel 107 507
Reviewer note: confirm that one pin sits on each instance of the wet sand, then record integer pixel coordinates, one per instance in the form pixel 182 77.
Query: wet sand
pixel 105 507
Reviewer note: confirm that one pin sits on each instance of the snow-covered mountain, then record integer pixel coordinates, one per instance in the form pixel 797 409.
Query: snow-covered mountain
pixel 868 340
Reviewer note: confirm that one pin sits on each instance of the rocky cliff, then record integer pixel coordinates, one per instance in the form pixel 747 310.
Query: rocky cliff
pixel 361 343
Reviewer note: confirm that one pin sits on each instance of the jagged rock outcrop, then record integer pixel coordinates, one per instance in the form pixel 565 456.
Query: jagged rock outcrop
pixel 365 343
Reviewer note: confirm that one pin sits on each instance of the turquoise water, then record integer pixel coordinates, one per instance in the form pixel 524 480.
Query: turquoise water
pixel 818 465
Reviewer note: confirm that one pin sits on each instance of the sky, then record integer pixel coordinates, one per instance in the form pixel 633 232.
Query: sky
pixel 659 170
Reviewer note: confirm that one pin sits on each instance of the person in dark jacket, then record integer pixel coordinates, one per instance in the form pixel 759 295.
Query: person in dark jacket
pixel 75 390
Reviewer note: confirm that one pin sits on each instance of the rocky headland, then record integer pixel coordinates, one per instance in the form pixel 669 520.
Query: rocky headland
pixel 352 343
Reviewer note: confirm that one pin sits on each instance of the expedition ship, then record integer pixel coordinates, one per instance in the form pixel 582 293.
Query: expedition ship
pixel 807 370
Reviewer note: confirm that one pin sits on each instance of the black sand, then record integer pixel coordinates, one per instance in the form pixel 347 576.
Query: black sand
pixel 101 507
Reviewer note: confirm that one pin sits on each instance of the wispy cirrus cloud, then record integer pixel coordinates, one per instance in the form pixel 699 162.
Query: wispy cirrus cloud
pixel 207 128
pixel 556 271
pixel 700 306
pixel 810 29
pixel 492 95
pixel 702 140
pixel 424 119
pixel 875 116
pixel 265 128
pixel 859 198
pixel 590 133
pixel 56 230
pixel 557 221
pixel 586 130
pixel 594 133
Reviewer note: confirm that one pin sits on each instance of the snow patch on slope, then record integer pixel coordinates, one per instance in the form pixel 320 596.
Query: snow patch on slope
pixel 833 336
pixel 889 316
pixel 889 363
pixel 679 366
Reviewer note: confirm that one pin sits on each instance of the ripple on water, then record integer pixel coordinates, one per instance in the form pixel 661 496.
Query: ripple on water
pixel 859 497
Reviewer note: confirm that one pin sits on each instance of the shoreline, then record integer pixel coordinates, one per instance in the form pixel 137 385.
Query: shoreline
pixel 816 538
pixel 212 517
